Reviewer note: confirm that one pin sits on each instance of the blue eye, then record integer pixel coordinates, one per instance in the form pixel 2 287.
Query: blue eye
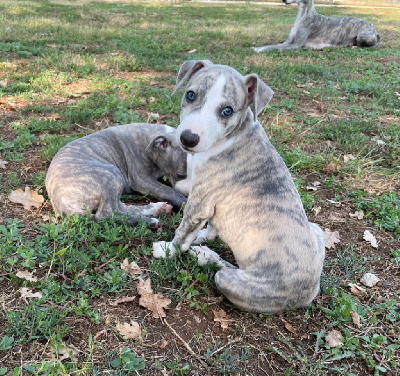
pixel 190 96
pixel 227 112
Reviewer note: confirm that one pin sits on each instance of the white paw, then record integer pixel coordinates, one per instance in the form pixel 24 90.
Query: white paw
pixel 201 236
pixel 156 208
pixel 160 249
pixel 204 255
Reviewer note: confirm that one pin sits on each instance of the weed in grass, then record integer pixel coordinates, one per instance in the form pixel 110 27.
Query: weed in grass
pixel 383 210
pixel 128 361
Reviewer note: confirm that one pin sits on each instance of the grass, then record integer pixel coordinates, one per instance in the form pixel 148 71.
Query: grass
pixel 69 68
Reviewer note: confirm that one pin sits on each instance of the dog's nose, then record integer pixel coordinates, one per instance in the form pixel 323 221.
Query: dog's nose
pixel 189 139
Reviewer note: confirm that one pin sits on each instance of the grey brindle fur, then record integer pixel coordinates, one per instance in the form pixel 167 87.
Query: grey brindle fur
pixel 315 31
pixel 91 173
pixel 242 187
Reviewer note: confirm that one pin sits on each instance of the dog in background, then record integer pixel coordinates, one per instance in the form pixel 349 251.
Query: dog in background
pixel 315 31
pixel 91 173
pixel 243 189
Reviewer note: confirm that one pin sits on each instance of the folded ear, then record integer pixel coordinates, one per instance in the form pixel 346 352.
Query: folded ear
pixel 160 142
pixel 187 70
pixel 259 94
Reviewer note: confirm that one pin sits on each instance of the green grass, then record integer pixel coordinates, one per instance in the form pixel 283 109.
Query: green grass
pixel 74 67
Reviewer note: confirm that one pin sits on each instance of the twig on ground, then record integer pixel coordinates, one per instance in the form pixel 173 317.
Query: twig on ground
pixel 188 348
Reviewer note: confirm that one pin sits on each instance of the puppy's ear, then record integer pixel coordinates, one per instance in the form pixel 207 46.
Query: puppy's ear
pixel 259 94
pixel 159 143
pixel 187 70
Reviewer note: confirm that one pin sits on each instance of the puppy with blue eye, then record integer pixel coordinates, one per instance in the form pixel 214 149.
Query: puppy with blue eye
pixel 243 189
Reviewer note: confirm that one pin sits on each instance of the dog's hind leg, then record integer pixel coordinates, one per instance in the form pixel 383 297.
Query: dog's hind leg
pixel 256 291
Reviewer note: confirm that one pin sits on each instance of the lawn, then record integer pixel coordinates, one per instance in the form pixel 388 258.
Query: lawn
pixel 69 295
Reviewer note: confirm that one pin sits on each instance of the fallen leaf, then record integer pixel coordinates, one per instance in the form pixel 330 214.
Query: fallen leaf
pixel 334 338
pixel 64 352
pixel 311 188
pixel 27 198
pixel 316 209
pixel 356 289
pixel 333 166
pixel 3 164
pixel 331 238
pixel 192 51
pixel 154 302
pixel 131 268
pixel 3 83
pixel 129 331
pixel 356 319
pixel 369 279
pixel 358 214
pixel 164 344
pixel 28 294
pixel 290 328
pixel 368 237
pixel 28 276
pixel 222 317
pixel 124 299
pixel 348 157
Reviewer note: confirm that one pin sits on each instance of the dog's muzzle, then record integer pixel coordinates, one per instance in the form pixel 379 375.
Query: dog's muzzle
pixel 189 139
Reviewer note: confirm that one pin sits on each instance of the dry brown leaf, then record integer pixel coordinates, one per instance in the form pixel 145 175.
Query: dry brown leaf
pixel 356 319
pixel 154 302
pixel 4 83
pixel 368 237
pixel 316 209
pixel 222 317
pixel 28 294
pixel 130 268
pixel 64 352
pixel 27 198
pixel 3 164
pixel 358 214
pixel 331 238
pixel 356 289
pixel 164 344
pixel 334 338
pixel 28 276
pixel 290 328
pixel 129 331
pixel 124 299
pixel 333 166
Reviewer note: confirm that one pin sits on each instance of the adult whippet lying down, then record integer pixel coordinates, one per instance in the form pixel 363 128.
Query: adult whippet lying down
pixel 315 31
pixel 242 187
pixel 91 173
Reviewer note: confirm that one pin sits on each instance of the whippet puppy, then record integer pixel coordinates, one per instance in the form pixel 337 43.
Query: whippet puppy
pixel 315 31
pixel 242 187
pixel 91 173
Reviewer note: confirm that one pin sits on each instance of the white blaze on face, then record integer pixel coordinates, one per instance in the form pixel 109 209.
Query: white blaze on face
pixel 205 121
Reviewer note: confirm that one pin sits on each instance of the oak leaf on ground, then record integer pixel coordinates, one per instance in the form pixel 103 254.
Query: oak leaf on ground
pixel 27 293
pixel 156 303
pixel 3 164
pixel 334 338
pixel 331 238
pixel 222 317
pixel 24 274
pixel 370 238
pixel 130 268
pixel 129 331
pixel 26 198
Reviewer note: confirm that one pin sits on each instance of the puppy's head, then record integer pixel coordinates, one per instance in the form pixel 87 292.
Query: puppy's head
pixel 217 101
pixel 175 163
pixel 288 2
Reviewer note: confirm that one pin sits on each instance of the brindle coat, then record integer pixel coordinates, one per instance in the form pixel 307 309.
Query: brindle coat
pixel 242 187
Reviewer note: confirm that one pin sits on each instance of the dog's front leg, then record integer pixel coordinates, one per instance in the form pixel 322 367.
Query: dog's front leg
pixel 195 215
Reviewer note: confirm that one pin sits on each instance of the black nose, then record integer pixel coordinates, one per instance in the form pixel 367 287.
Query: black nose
pixel 189 139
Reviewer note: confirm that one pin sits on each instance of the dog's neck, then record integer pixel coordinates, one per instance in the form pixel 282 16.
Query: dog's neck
pixel 305 9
